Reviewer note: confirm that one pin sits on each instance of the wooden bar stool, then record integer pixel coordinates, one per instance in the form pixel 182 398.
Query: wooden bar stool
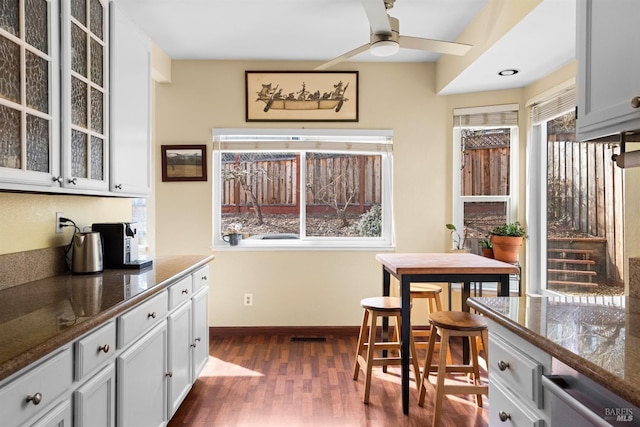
pixel 432 294
pixel 373 308
pixel 454 324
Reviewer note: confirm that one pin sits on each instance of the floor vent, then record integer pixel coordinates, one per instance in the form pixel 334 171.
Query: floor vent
pixel 308 339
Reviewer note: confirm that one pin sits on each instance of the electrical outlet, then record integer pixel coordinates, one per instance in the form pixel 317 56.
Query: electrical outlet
pixel 248 299
pixel 59 227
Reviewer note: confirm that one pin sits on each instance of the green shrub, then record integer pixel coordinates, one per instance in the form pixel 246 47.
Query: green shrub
pixel 370 223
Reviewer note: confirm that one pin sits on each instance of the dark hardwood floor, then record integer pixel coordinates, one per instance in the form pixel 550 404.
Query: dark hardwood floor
pixel 270 381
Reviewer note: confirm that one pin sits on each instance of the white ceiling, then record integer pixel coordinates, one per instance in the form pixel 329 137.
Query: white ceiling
pixel 320 30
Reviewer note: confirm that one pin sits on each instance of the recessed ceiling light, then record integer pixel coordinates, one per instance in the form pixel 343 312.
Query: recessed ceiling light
pixel 508 72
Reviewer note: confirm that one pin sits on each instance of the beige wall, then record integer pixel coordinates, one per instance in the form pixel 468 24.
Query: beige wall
pixel 309 288
pixel 28 220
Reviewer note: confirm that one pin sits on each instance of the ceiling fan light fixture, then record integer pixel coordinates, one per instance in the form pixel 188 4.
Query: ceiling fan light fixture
pixel 384 48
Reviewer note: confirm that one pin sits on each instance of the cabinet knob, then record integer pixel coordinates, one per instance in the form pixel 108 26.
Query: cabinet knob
pixel 104 348
pixel 35 399
pixel 73 181
pixel 152 315
pixel 185 291
pixel 504 416
pixel 204 278
pixel 635 102
pixel 169 374
pixel 502 365
pixel 57 179
pixel 118 186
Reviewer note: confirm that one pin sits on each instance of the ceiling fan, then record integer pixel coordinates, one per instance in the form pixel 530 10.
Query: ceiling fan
pixel 386 39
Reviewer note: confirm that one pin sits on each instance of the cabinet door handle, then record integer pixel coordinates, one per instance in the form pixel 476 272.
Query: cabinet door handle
pixel 504 416
pixel 185 291
pixel 35 399
pixel 635 102
pixel 204 278
pixel 152 315
pixel 169 374
pixel 118 186
pixel 73 181
pixel 502 365
pixel 104 348
pixel 57 179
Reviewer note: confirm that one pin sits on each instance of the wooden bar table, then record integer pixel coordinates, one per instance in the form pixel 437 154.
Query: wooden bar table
pixel 442 268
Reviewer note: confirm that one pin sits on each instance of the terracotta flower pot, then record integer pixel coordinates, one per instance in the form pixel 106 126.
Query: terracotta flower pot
pixel 487 252
pixel 506 248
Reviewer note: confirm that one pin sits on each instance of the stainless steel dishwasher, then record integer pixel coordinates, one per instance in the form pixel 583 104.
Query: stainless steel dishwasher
pixel 576 400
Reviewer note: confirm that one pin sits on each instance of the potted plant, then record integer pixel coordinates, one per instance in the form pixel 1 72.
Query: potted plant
pixel 457 239
pixel 233 234
pixel 487 248
pixel 506 240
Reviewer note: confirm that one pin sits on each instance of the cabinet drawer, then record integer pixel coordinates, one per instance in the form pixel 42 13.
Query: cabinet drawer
pixel 507 411
pixel 44 383
pixel 140 318
pixel 516 369
pixel 95 349
pixel 201 278
pixel 180 292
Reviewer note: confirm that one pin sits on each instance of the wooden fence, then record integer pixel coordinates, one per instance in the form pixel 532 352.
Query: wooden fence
pixel 585 189
pixel 485 171
pixel 275 182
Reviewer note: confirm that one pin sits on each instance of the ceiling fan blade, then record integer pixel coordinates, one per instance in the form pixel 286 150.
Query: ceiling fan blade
pixel 432 45
pixel 378 18
pixel 343 57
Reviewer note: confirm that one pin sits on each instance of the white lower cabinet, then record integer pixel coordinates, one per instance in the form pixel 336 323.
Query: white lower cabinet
pixel 516 395
pixel 134 370
pixel 60 416
pixel 141 385
pixel 179 373
pixel 200 342
pixel 94 402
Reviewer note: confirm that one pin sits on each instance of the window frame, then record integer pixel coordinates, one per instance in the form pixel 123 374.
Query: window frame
pixel 510 200
pixel 301 141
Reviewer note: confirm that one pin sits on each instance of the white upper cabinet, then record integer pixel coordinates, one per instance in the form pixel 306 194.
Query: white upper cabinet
pixel 85 94
pixel 29 100
pixel 608 54
pixel 66 124
pixel 130 107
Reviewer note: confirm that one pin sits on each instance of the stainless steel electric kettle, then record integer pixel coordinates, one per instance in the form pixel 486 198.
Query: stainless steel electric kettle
pixel 87 253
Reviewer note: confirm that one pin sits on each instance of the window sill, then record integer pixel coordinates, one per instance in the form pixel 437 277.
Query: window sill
pixel 302 245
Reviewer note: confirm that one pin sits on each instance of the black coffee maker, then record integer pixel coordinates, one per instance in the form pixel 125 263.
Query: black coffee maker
pixel 120 241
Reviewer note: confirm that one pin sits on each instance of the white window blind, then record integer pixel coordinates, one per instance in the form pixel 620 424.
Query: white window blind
pixel 553 107
pixel 497 115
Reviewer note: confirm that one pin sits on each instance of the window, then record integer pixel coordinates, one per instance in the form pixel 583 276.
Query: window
pixel 484 181
pixel 299 188
pixel 575 207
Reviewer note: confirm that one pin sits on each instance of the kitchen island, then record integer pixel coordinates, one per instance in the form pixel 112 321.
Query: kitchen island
pixel 594 338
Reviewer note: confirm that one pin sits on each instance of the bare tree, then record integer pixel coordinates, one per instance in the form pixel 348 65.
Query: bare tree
pixel 338 188
pixel 243 178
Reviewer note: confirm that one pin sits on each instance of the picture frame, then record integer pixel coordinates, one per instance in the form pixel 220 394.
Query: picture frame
pixel 184 162
pixel 301 96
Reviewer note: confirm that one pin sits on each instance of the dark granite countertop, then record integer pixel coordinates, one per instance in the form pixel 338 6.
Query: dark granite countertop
pixel 41 316
pixel 598 337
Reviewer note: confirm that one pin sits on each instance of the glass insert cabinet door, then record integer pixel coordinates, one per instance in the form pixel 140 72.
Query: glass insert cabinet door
pixel 29 113
pixel 85 94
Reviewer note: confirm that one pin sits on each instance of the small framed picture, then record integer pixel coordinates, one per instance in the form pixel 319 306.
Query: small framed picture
pixel 184 162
